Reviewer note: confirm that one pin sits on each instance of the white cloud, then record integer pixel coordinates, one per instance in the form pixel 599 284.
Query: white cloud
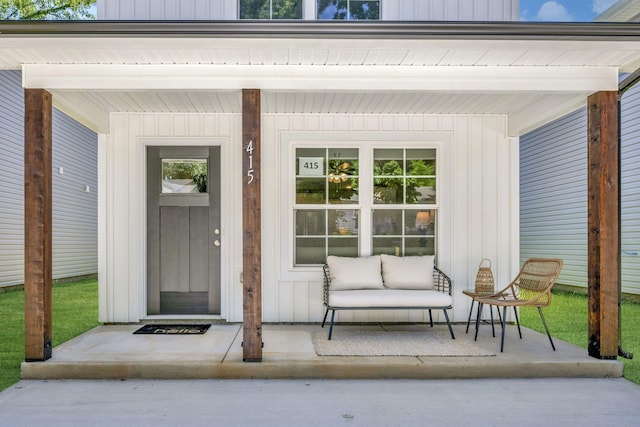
pixel 600 6
pixel 554 11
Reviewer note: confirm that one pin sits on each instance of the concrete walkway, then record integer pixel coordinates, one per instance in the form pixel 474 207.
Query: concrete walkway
pixel 114 352
pixel 535 402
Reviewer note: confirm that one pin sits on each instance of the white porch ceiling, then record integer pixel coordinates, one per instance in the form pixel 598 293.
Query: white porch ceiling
pixel 15 52
pixel 307 102
pixel 531 81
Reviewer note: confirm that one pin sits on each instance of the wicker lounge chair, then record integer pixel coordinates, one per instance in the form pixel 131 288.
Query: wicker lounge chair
pixel 531 288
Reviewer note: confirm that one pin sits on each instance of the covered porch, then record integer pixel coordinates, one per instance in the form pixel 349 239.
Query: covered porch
pixel 114 352
pixel 469 90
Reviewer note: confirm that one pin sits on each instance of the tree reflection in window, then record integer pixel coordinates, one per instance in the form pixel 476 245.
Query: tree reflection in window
pixel 348 9
pixel 404 176
pixel 270 9
pixel 184 175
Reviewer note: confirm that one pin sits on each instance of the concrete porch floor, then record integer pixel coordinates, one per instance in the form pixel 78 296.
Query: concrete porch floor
pixel 114 352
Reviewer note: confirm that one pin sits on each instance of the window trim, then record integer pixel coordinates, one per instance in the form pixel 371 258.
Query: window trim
pixel 365 142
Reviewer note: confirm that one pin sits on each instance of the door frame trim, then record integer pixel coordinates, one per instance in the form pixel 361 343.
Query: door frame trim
pixel 214 141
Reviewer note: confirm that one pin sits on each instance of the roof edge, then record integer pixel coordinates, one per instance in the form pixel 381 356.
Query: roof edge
pixel 600 31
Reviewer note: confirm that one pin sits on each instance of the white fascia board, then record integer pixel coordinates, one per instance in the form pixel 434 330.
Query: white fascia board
pixel 542 111
pixel 320 78
pixel 82 110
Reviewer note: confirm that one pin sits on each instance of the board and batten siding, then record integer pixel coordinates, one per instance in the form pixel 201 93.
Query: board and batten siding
pixel 479 204
pixel 74 209
pixel 390 10
pixel 450 10
pixel 122 219
pixel 553 186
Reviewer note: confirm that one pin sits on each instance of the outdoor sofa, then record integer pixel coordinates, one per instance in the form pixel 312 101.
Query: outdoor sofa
pixel 385 282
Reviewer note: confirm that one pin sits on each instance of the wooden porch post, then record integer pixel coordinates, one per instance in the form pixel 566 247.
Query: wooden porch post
pixel 251 225
pixel 604 251
pixel 37 224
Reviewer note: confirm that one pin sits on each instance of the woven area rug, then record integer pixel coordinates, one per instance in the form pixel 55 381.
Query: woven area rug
pixel 394 343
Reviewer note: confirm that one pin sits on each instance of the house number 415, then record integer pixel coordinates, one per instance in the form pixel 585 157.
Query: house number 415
pixel 249 151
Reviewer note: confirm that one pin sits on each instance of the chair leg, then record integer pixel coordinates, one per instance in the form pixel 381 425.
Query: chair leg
pixel 493 328
pixel 504 316
pixel 325 317
pixel 515 311
pixel 430 318
pixel 478 320
pixel 446 316
pixel 333 315
pixel 545 328
pixel 469 318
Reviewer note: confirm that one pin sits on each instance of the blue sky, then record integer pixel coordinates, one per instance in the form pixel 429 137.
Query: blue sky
pixel 562 10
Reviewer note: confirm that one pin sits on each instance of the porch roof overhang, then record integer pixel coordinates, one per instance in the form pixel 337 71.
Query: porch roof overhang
pixel 532 73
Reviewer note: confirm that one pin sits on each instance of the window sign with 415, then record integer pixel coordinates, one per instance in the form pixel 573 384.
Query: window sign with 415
pixel 311 166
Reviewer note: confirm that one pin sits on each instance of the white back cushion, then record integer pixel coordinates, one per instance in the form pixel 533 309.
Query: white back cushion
pixel 410 272
pixel 354 273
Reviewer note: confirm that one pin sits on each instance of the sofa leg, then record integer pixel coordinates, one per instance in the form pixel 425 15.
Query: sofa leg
pixel 325 317
pixel 446 316
pixel 430 318
pixel 333 315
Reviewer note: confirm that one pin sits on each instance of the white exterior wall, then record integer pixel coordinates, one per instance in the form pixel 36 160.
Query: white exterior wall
pixel 122 205
pixel 123 10
pixel 478 204
pixel 450 10
pixel 390 10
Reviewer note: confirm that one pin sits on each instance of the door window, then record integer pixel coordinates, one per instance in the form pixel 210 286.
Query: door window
pixel 184 176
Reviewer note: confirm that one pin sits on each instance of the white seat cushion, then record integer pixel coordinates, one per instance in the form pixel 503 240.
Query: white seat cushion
pixel 355 273
pixel 387 298
pixel 411 272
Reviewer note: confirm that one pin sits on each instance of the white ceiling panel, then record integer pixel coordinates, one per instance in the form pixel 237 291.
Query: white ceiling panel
pixel 15 52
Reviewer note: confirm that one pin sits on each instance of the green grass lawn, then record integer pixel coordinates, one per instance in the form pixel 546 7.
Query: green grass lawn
pixel 567 320
pixel 75 310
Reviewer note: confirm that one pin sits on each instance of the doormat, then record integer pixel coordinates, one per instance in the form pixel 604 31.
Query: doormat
pixel 396 343
pixel 173 329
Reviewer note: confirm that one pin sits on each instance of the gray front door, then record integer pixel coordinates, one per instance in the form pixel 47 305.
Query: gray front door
pixel 183 230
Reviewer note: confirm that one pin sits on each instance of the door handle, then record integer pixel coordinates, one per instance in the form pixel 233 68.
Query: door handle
pixel 216 242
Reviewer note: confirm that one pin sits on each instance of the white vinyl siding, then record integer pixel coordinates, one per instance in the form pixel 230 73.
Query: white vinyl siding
pixel 12 179
pixel 553 187
pixel 74 210
pixel 553 195
pixel 390 10
pixel 630 177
